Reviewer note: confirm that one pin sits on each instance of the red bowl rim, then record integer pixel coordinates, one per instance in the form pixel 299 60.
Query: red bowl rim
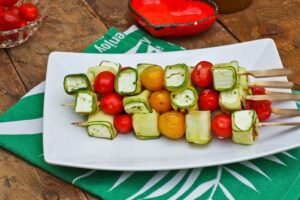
pixel 211 2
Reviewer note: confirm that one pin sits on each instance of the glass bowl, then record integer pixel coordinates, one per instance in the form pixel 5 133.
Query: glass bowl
pixel 174 18
pixel 15 37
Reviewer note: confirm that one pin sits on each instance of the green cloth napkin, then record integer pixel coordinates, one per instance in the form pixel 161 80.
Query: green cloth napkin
pixel 272 177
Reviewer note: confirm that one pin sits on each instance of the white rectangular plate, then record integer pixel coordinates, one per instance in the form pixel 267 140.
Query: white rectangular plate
pixel 68 145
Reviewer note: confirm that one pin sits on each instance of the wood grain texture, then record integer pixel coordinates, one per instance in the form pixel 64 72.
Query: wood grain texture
pixel 276 19
pixel 19 181
pixel 71 26
pixel 115 13
pixel 11 86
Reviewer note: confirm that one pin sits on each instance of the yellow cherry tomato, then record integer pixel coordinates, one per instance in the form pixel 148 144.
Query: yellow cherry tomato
pixel 152 78
pixel 172 124
pixel 160 101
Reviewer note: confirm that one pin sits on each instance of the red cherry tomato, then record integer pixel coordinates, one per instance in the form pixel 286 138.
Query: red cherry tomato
pixel 14 9
pixel 221 126
pixel 248 105
pixel 8 2
pixel 202 75
pixel 263 109
pixel 112 104
pixel 9 21
pixel 28 11
pixel 1 9
pixel 258 91
pixel 208 100
pixel 104 83
pixel 123 123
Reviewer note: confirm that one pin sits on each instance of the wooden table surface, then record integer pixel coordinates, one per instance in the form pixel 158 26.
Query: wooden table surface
pixel 74 24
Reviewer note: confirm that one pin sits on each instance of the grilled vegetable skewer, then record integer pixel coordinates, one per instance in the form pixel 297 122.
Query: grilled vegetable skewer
pixel 227 76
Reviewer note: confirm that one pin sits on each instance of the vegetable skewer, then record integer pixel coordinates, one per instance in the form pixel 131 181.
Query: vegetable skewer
pixel 99 125
pixel 229 75
pixel 244 126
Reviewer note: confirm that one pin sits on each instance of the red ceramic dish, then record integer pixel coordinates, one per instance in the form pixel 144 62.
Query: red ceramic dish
pixel 174 18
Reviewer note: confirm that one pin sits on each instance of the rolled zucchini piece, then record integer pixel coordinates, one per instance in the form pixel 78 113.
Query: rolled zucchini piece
pixel 186 99
pixel 244 130
pixel 76 82
pixel 127 82
pixel 86 103
pixel 101 125
pixel 176 77
pixel 243 79
pixel 230 101
pixel 233 64
pixel 92 72
pixel 224 78
pixel 198 127
pixel 115 66
pixel 145 126
pixel 137 104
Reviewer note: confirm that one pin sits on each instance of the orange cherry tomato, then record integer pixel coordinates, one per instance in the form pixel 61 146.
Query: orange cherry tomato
pixel 160 101
pixel 152 78
pixel 172 124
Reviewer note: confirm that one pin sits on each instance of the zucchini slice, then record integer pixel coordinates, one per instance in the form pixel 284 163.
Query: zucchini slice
pixel 137 104
pixel 224 78
pixel 243 79
pixel 244 130
pixel 127 82
pixel 145 126
pixel 92 72
pixel 233 64
pixel 86 102
pixel 186 99
pixel 230 101
pixel 176 77
pixel 198 127
pixel 76 82
pixel 115 66
pixel 101 125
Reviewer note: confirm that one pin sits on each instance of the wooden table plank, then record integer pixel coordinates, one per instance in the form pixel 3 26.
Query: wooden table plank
pixel 11 86
pixel 71 26
pixel 19 181
pixel 279 20
pixel 115 13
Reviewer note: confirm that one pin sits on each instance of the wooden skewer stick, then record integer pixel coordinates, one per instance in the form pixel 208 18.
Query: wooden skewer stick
pixel 266 73
pixel 274 96
pixel 79 123
pixel 286 112
pixel 72 104
pixel 272 84
pixel 278 124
